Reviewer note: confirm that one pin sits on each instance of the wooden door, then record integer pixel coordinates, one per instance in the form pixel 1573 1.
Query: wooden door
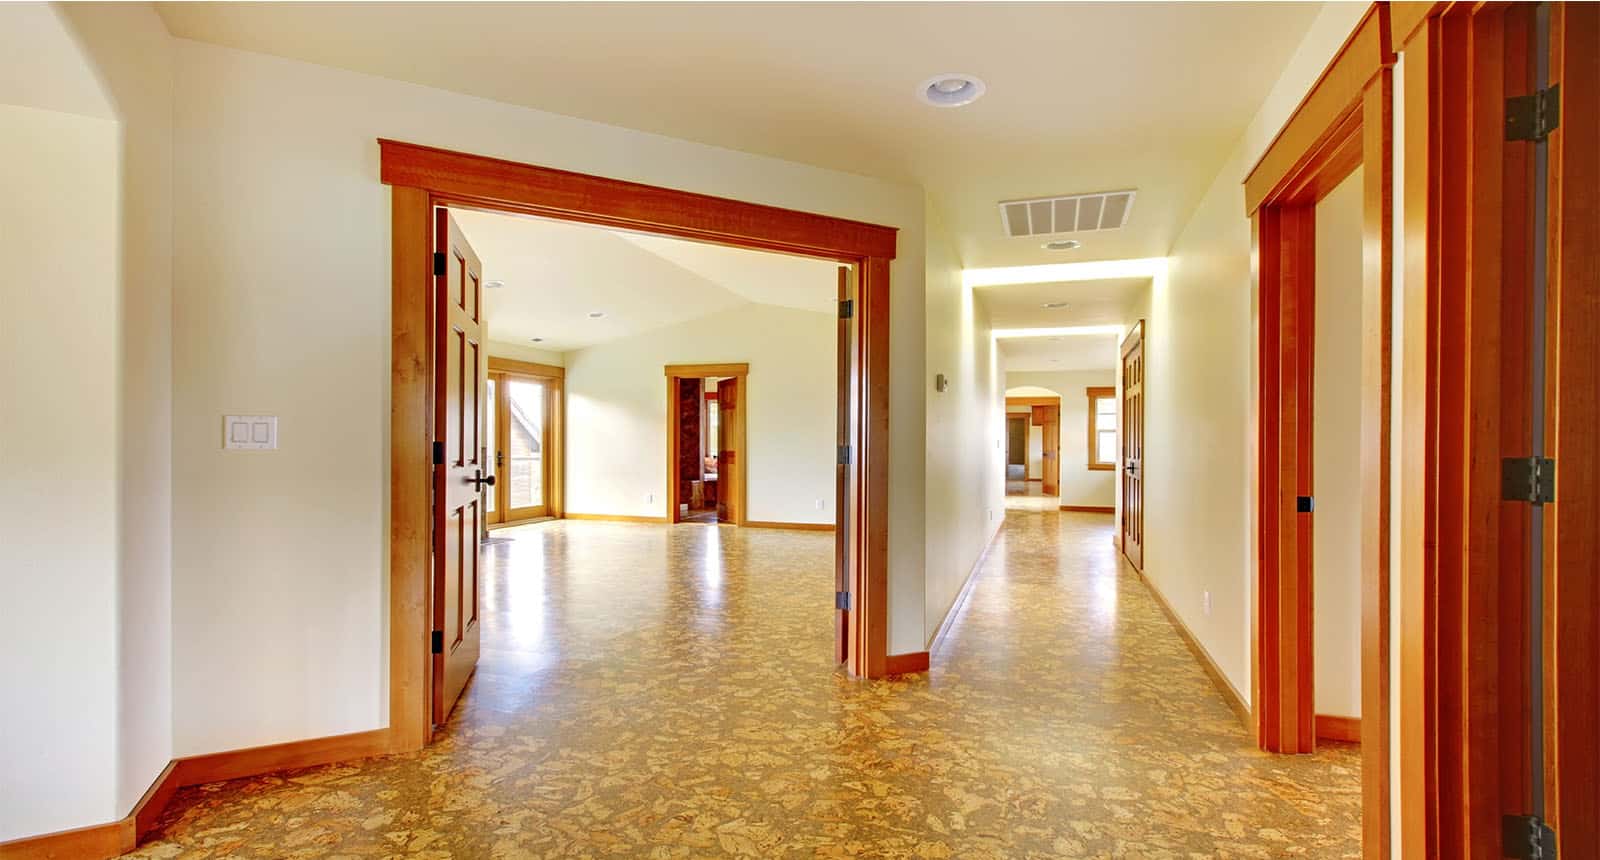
pixel 460 373
pixel 730 456
pixel 1049 420
pixel 1133 446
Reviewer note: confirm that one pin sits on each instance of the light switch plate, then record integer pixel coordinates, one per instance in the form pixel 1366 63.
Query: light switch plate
pixel 250 432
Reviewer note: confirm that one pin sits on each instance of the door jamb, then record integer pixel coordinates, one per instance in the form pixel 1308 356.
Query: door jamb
pixel 676 372
pixel 1345 121
pixel 421 178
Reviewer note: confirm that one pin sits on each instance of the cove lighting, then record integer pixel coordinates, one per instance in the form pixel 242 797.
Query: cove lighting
pixel 1057 331
pixel 1100 270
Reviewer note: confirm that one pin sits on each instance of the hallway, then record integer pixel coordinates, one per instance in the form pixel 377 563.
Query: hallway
pixel 666 691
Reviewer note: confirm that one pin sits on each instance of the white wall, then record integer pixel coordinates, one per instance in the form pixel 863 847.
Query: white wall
pixel 58 463
pixel 282 307
pixel 1200 379
pixel 965 435
pixel 1336 452
pixel 1080 485
pixel 98 727
pixel 502 349
pixel 617 412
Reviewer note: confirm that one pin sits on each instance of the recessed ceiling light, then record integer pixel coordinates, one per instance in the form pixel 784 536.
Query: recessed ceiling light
pixel 951 90
pixel 536 339
pixel 1054 306
pixel 493 285
pixel 594 315
pixel 1062 245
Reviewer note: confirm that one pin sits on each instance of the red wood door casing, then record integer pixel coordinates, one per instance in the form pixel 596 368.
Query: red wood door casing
pixel 460 375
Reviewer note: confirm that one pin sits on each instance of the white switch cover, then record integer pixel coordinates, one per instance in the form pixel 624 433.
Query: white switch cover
pixel 250 432
pixel 819 504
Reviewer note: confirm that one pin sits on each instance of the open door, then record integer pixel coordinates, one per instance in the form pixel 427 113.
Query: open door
pixel 1049 420
pixel 1133 446
pixel 460 374
pixel 730 456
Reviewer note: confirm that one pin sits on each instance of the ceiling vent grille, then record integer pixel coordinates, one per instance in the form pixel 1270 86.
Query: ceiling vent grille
pixel 1077 213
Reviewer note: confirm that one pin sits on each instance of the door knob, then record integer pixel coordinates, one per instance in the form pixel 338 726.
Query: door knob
pixel 481 479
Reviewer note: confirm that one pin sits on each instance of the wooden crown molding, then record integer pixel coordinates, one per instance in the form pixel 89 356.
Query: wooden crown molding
pixel 526 368
pixel 707 371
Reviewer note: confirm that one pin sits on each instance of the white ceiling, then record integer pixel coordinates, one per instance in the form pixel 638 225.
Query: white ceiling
pixel 1082 97
pixel 556 273
pixel 1088 303
pixel 1064 352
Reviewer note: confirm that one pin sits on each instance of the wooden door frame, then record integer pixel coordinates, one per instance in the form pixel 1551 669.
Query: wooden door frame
pixel 676 372
pixel 1344 122
pixel 421 178
pixel 1030 402
pixel 554 379
pixel 1466 204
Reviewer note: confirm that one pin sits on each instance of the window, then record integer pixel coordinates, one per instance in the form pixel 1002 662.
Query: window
pixel 1103 428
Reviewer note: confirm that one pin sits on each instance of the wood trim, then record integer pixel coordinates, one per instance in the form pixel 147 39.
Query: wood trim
pixel 251 761
pixel 121 836
pixel 424 177
pixel 936 641
pixel 1345 121
pixel 616 518
pixel 800 527
pixel 526 368
pixel 1033 401
pixel 708 371
pixel 508 186
pixel 1090 509
pixel 96 842
pixel 1342 729
pixel 410 486
pixel 1327 107
pixel 506 524
pixel 1093 393
pixel 1230 694
pixel 906 664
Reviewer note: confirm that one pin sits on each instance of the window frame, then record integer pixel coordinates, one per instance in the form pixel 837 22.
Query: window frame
pixel 1095 393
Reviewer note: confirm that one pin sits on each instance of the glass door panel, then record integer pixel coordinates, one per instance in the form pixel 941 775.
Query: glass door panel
pixel 524 448
pixel 492 434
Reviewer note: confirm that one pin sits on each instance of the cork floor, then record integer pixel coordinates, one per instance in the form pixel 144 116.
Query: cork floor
pixel 667 691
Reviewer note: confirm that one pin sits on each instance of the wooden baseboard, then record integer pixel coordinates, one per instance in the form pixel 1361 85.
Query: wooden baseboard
pixel 252 761
pixel 1344 729
pixel 102 841
pixel 1220 681
pixel 1090 509
pixel 936 641
pixel 906 664
pixel 803 527
pixel 615 518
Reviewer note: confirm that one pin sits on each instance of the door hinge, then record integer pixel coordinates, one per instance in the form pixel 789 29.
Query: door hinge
pixel 438 453
pixel 847 309
pixel 1304 504
pixel 438 642
pixel 1528 479
pixel 438 264
pixel 844 455
pixel 1535 115
pixel 841 600
pixel 1528 837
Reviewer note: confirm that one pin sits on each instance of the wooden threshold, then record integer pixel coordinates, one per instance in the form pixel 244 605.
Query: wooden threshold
pixel 800 527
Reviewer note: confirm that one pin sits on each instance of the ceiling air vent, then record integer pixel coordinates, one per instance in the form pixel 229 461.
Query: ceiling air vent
pixel 1076 213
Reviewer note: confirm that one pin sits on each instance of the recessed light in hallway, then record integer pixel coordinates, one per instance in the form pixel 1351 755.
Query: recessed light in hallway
pixel 668 691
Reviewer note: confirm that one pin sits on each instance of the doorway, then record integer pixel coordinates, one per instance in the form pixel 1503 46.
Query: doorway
pixel 523 417
pixel 424 181
pixel 706 471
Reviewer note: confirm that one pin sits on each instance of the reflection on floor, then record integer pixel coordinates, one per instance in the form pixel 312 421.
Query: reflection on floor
pixel 667 691
pixel 1029 496
pixel 708 515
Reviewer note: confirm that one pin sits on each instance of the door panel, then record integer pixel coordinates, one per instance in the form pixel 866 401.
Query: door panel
pixel 730 456
pixel 1133 446
pixel 460 399
pixel 843 488
pixel 1049 420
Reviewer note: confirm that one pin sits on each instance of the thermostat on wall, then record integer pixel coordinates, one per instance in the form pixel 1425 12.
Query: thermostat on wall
pixel 250 432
